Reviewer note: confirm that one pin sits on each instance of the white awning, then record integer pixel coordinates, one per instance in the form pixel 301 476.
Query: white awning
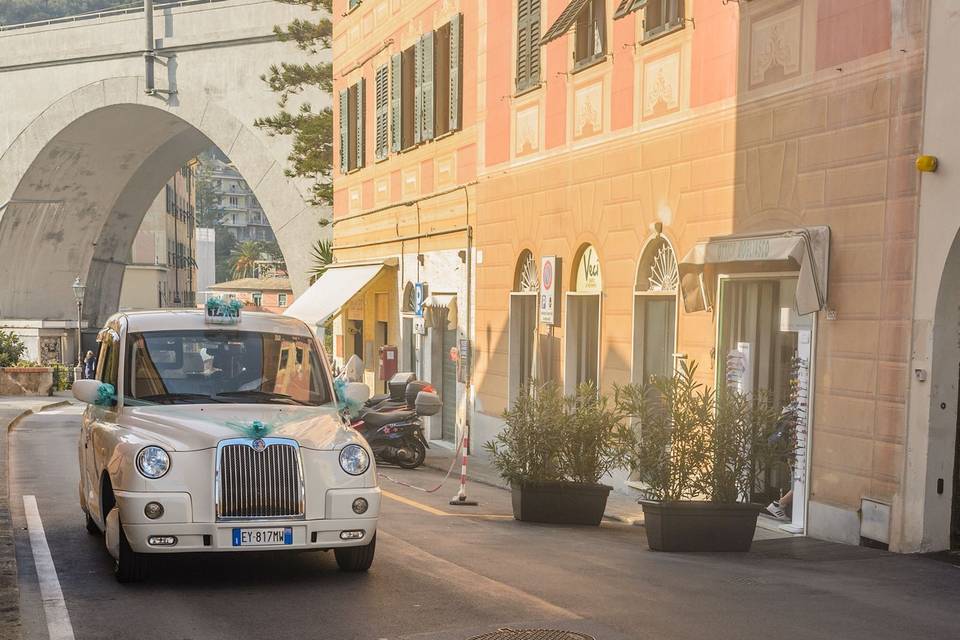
pixel 326 297
pixel 805 249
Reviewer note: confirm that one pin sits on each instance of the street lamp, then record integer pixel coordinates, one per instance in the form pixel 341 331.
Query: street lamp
pixel 78 289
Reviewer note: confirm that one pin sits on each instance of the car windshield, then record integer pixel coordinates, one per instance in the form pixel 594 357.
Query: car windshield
pixel 224 366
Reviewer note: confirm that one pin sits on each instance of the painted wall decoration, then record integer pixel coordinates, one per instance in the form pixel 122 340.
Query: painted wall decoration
pixel 661 85
pixel 775 46
pixel 588 110
pixel 528 130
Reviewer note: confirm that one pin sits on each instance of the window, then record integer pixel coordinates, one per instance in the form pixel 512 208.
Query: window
pixel 351 127
pixel 528 44
pixel 281 299
pixel 655 312
pixel 108 362
pixel 582 352
pixel 426 86
pixel 234 201
pixel 662 16
pixel 257 299
pixel 590 18
pixel 524 361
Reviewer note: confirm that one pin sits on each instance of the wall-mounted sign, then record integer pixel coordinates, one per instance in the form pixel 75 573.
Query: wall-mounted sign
pixel 419 295
pixel 419 326
pixel 463 360
pixel 549 283
pixel 588 272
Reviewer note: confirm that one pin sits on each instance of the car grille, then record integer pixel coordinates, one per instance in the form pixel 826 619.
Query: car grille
pixel 259 484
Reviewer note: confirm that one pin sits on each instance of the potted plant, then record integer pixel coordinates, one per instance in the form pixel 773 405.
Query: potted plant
pixel 700 454
pixel 554 450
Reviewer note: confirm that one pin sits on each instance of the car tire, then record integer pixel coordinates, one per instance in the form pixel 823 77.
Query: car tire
pixel 419 455
pixel 92 527
pixel 356 559
pixel 129 566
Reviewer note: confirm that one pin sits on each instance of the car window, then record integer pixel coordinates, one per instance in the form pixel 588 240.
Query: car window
pixel 108 363
pixel 224 366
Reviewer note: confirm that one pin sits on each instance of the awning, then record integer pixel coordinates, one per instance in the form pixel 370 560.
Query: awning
pixel 331 291
pixel 806 249
pixel 434 308
pixel 627 7
pixel 564 22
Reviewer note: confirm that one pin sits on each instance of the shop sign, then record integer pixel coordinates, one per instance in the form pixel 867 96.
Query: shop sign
pixel 463 360
pixel 419 326
pixel 588 272
pixel 419 295
pixel 549 283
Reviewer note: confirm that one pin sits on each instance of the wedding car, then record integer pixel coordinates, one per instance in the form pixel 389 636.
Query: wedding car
pixel 210 430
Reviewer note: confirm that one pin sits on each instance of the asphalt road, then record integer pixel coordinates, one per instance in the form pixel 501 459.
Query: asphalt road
pixel 448 574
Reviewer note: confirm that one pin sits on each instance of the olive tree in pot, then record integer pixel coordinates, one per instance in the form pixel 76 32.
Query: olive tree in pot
pixel 554 451
pixel 700 454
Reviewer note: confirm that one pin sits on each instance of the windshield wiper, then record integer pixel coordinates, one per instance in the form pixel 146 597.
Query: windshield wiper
pixel 173 397
pixel 265 395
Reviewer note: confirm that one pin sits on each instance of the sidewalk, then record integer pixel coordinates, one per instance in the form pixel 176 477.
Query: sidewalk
pixel 12 409
pixel 621 507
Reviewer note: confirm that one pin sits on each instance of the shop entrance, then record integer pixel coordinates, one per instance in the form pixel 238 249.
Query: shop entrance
pixel 448 418
pixel 765 346
pixel 582 352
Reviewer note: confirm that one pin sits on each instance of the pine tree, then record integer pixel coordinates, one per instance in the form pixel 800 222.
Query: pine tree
pixel 311 128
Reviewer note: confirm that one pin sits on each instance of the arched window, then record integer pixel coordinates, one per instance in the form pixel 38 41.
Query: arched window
pixel 522 347
pixel 582 353
pixel 655 311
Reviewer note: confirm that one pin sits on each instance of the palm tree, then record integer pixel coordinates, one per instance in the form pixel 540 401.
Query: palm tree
pixel 322 256
pixel 243 259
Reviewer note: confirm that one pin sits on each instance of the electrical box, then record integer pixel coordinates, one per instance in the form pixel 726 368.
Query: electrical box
pixel 389 362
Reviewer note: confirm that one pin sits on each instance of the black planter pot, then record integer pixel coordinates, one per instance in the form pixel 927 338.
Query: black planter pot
pixel 699 526
pixel 559 502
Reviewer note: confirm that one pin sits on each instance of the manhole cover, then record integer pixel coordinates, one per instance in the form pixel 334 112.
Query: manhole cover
pixel 532 634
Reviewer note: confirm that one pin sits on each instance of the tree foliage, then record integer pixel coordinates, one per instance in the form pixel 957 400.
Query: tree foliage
pixel 310 127
pixel 11 349
pixel 19 11
pixel 244 259
pixel 322 257
pixel 224 246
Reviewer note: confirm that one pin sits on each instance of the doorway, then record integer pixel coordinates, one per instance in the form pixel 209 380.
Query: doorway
pixel 448 415
pixel 583 341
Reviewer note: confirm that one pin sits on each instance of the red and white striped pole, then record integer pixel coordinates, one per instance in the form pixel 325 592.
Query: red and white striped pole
pixel 461 498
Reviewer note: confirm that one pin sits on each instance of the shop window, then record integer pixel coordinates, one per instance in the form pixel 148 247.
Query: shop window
pixel 582 352
pixel 655 312
pixel 765 346
pixel 528 44
pixel 523 340
pixel 352 110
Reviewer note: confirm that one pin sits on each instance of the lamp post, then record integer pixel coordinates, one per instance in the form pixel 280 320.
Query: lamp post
pixel 78 289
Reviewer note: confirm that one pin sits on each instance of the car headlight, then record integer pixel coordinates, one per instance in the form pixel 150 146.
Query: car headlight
pixel 153 462
pixel 354 459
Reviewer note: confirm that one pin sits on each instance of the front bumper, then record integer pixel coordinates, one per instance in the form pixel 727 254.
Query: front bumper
pixel 218 536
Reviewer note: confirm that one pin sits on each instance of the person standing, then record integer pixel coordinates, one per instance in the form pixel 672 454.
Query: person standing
pixel 89 365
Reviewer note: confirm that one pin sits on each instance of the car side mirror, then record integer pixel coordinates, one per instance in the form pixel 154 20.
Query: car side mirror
pixel 94 392
pixel 427 403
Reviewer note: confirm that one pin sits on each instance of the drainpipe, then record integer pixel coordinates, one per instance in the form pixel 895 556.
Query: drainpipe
pixel 150 51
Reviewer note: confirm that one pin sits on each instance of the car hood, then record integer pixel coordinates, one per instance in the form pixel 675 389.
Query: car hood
pixel 194 427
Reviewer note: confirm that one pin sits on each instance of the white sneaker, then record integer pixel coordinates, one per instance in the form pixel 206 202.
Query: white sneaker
pixel 776 510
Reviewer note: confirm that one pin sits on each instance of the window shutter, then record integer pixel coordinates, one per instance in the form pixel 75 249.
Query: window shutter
pixel 456 70
pixel 382 102
pixel 344 132
pixel 361 117
pixel 396 110
pixel 523 44
pixel 426 90
pixel 534 34
pixel 418 91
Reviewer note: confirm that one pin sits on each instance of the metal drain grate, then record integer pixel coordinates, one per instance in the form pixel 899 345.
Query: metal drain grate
pixel 532 634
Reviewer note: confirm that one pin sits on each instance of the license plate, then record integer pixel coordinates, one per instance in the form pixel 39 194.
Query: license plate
pixel 262 537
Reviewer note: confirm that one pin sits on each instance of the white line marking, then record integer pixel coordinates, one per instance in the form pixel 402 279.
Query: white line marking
pixel 58 620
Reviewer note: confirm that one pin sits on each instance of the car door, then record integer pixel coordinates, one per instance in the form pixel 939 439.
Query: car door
pixel 98 416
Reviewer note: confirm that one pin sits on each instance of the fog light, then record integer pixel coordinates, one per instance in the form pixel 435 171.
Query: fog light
pixel 354 534
pixel 360 506
pixel 162 541
pixel 153 510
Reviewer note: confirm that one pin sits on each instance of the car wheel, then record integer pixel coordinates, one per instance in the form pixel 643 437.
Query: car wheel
pixel 419 455
pixel 92 527
pixel 356 559
pixel 129 566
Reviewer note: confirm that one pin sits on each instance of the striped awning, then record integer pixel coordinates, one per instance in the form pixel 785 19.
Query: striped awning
pixel 627 7
pixel 564 22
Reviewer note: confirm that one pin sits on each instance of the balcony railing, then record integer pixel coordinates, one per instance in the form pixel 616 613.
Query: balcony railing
pixel 105 13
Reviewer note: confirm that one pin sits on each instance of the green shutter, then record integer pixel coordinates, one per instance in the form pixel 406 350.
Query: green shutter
pixel 456 70
pixel 396 104
pixel 361 116
pixel 417 90
pixel 523 43
pixel 344 132
pixel 534 34
pixel 426 87
pixel 382 102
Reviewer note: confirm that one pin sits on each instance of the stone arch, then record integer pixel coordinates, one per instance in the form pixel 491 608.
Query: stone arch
pixel 76 182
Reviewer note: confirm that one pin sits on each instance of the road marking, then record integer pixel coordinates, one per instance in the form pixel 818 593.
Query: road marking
pixel 470 581
pixel 58 619
pixel 438 512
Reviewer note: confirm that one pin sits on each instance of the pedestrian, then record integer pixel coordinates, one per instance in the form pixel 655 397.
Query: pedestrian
pixel 89 365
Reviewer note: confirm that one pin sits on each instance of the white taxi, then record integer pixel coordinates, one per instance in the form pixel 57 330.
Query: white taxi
pixel 201 435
